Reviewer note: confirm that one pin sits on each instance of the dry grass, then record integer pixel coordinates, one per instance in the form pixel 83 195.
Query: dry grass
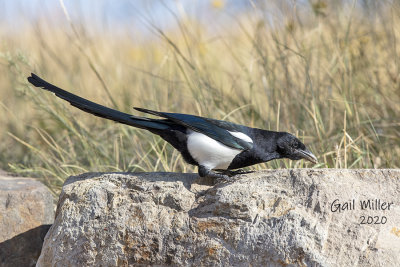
pixel 330 76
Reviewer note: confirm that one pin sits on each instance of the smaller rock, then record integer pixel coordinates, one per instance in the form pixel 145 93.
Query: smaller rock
pixel 26 211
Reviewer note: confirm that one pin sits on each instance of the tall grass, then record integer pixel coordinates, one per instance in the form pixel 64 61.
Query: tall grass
pixel 329 74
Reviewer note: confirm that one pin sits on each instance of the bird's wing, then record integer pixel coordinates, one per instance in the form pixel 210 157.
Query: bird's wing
pixel 227 133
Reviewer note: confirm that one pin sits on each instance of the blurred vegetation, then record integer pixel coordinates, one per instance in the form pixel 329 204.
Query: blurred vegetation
pixel 326 72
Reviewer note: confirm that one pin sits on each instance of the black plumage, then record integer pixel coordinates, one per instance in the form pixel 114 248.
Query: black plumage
pixel 207 143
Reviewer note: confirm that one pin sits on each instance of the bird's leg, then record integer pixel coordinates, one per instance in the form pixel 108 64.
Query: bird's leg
pixel 205 172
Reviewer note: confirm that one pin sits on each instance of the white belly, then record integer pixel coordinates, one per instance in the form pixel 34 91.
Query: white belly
pixel 209 152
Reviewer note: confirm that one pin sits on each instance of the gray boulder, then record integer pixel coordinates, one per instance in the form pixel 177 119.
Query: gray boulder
pixel 300 217
pixel 26 212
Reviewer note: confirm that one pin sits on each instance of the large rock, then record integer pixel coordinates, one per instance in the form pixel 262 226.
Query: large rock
pixel 26 210
pixel 302 217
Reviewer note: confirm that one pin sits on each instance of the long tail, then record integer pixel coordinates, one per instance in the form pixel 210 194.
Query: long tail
pixel 99 110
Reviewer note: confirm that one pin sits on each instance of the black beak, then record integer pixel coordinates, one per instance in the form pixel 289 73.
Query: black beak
pixel 306 154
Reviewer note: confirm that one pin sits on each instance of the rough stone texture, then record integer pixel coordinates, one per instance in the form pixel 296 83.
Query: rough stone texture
pixel 26 210
pixel 25 203
pixel 269 218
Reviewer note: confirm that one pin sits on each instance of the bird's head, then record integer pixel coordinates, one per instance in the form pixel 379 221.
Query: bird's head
pixel 288 146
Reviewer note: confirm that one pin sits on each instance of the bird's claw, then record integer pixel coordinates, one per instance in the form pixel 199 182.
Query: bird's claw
pixel 225 179
pixel 231 173
pixel 221 176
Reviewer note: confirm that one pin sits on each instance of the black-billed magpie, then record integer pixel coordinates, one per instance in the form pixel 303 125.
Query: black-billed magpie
pixel 207 143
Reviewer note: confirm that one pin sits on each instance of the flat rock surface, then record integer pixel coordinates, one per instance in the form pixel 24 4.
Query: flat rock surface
pixel 300 217
pixel 26 210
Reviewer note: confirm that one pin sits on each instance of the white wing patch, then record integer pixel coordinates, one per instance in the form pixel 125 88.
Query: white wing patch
pixel 209 152
pixel 242 136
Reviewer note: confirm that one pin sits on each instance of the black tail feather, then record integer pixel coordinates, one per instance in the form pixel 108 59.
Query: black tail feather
pixel 96 109
pixel 149 111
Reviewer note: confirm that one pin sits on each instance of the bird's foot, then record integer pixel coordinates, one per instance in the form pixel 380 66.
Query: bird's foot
pixel 225 176
pixel 219 177
pixel 226 179
pixel 231 173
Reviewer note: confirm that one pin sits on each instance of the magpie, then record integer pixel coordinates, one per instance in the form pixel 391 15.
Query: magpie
pixel 216 147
